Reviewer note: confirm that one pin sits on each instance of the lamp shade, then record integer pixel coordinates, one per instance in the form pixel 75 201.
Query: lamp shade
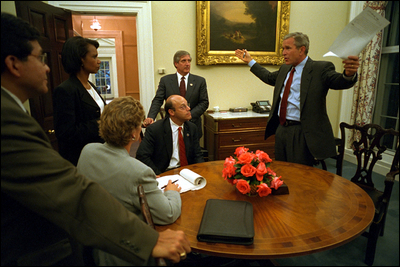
pixel 95 24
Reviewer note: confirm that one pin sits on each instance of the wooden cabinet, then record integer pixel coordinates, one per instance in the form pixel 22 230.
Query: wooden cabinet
pixel 224 132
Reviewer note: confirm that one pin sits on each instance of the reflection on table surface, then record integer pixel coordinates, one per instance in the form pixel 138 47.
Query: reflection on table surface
pixel 321 211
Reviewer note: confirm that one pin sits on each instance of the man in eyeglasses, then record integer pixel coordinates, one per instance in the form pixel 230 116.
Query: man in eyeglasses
pixel 192 87
pixel 43 198
pixel 160 148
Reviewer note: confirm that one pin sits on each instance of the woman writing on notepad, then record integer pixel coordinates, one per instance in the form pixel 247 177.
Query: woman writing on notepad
pixel 111 166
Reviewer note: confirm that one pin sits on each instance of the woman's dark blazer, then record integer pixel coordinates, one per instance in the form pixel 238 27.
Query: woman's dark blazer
pixel 76 117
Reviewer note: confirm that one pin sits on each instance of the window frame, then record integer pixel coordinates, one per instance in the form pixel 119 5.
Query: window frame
pixel 113 77
pixel 379 108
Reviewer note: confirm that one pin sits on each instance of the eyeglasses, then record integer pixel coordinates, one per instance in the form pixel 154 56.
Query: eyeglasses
pixel 184 106
pixel 42 58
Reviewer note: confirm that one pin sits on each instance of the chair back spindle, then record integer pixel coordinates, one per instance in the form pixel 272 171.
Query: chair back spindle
pixel 144 206
pixel 368 149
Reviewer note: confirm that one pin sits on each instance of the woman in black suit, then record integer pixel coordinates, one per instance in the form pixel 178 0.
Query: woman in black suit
pixel 77 103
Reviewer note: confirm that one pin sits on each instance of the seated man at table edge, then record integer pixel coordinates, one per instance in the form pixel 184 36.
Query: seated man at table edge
pixel 159 148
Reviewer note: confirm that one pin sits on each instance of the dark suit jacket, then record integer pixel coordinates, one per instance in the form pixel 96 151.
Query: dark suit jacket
pixel 155 150
pixel 43 199
pixel 316 80
pixel 75 118
pixel 196 96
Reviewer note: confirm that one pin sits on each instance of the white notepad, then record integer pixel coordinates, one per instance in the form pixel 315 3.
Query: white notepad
pixel 186 179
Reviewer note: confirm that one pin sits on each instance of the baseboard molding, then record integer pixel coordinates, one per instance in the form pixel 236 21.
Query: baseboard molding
pixel 382 167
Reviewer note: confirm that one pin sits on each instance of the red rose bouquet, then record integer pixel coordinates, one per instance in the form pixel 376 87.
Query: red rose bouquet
pixel 250 172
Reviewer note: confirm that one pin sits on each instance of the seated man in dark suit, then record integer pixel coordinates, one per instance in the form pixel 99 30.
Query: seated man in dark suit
pixel 159 148
pixel 193 88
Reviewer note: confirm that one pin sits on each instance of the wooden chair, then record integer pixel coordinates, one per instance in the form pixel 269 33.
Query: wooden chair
pixel 368 150
pixel 144 206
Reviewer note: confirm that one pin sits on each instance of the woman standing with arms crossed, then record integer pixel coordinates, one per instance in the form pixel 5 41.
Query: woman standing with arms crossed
pixel 77 103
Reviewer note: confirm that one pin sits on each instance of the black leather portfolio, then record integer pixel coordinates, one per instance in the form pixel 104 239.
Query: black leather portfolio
pixel 227 221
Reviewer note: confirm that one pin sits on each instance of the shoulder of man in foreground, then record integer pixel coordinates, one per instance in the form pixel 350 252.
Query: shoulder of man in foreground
pixel 72 208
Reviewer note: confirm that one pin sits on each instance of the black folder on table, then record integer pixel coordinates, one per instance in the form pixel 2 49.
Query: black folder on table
pixel 227 221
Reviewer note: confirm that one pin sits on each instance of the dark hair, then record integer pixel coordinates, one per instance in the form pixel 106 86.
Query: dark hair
pixel 15 36
pixel 168 105
pixel 74 49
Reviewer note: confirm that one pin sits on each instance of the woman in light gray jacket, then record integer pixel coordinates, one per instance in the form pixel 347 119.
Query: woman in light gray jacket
pixel 111 166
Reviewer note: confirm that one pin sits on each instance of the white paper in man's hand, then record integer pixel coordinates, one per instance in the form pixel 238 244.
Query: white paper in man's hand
pixel 357 34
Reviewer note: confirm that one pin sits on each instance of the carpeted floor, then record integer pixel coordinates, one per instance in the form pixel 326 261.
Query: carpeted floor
pixel 352 253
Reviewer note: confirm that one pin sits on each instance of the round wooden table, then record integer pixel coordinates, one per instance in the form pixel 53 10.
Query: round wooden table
pixel 321 211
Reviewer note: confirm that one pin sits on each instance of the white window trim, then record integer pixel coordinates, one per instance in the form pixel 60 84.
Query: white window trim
pixel 347 95
pixel 383 166
pixel 113 72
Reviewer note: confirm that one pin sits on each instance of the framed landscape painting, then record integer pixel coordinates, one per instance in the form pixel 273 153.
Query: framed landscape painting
pixel 224 26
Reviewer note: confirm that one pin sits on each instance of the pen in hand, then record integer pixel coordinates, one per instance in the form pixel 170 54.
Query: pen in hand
pixel 244 53
pixel 171 183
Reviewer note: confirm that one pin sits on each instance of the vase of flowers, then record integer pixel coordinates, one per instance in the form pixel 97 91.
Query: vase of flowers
pixel 250 172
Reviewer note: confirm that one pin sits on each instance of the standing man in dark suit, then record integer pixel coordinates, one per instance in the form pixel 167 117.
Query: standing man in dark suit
pixel 160 147
pixel 43 197
pixel 305 133
pixel 194 91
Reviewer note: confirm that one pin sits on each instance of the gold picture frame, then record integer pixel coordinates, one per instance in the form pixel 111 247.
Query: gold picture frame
pixel 218 36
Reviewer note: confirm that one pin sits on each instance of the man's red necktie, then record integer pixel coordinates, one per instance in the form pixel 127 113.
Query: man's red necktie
pixel 282 112
pixel 182 87
pixel 182 152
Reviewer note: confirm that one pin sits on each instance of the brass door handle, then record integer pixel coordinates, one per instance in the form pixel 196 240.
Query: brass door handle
pixel 50 131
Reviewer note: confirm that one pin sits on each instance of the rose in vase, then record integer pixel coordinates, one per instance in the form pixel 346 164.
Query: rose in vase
pixel 250 172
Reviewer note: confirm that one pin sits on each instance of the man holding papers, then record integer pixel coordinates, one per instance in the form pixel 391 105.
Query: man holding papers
pixel 301 127
pixel 159 148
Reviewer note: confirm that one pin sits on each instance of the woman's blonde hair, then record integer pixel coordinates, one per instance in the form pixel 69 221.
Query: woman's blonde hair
pixel 119 119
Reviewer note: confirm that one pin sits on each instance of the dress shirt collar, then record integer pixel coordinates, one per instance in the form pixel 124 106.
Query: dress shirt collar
pixel 300 66
pixel 15 98
pixel 174 126
pixel 180 76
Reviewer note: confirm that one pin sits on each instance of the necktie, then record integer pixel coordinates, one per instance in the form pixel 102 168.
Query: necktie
pixel 182 87
pixel 182 152
pixel 282 112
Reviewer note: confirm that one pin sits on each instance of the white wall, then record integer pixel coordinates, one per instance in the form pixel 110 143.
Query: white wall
pixel 174 28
